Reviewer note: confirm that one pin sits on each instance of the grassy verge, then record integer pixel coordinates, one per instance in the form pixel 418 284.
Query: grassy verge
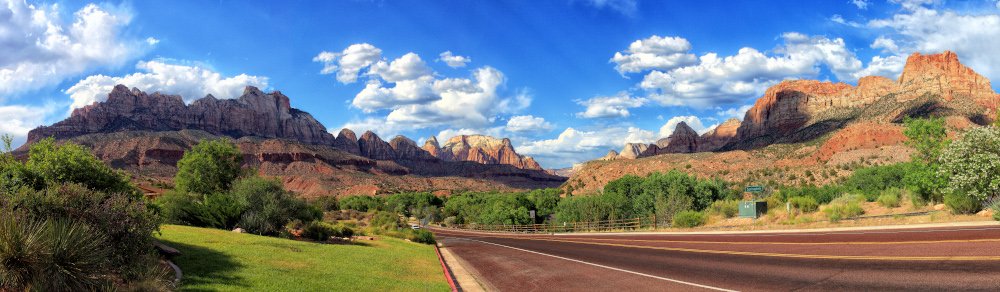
pixel 219 260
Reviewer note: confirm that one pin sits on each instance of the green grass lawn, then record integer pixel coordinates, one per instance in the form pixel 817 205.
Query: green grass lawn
pixel 219 260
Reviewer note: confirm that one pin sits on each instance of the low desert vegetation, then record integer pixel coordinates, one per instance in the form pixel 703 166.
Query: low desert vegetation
pixel 70 222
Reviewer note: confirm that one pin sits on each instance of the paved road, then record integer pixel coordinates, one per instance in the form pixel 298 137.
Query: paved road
pixel 952 258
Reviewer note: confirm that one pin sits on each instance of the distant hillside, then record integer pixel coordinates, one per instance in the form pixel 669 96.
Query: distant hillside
pixel 811 131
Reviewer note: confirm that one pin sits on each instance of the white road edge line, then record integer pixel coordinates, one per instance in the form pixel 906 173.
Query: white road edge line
pixel 607 267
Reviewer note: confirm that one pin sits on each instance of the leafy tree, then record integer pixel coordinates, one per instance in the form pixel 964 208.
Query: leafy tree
pixel 361 203
pixel 973 165
pixel 72 163
pixel 209 167
pixel 927 136
pixel 545 202
pixel 873 180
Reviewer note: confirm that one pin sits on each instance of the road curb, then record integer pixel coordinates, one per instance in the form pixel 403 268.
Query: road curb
pixel 447 272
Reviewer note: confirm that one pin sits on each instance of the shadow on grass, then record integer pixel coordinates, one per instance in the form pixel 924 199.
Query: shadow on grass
pixel 203 266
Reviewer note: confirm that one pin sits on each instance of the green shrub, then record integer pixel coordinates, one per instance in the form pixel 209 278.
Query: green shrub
pixel 386 221
pixel 804 204
pixel 996 209
pixel 422 236
pixel 688 219
pixel 726 208
pixel 72 163
pixel 961 203
pixel 889 198
pixel 361 203
pixel 267 206
pixel 322 231
pixel 328 203
pixel 970 164
pixel 450 221
pixel 846 206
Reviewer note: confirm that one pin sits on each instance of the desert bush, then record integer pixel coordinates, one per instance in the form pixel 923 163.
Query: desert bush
pixel 804 204
pixel 328 203
pixel 822 195
pixel 972 165
pixel 385 220
pixel 873 180
pixel 726 208
pixel 322 231
pixel 688 219
pixel 361 203
pixel 846 206
pixel 450 221
pixel 889 198
pixel 962 203
pixel 267 206
pixel 422 236
pixel 996 209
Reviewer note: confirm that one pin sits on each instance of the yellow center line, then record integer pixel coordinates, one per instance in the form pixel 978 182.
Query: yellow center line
pixel 768 254
pixel 798 243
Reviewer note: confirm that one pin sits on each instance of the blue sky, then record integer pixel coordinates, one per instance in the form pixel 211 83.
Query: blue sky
pixel 565 80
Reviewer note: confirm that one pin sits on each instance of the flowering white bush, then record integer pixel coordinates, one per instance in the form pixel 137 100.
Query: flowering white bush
pixel 973 164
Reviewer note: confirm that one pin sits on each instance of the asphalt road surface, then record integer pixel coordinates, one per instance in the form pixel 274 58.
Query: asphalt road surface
pixel 933 259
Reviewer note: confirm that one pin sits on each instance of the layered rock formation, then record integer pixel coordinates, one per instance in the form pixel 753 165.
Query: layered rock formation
pixel 346 140
pixel 481 149
pixel 719 136
pixel 682 140
pixel 792 105
pixel 375 148
pixel 148 134
pixel 254 113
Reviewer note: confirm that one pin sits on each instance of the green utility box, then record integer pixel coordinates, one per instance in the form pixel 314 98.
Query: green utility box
pixel 752 209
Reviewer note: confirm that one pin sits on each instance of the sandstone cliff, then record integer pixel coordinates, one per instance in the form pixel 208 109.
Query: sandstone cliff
pixel 254 113
pixel 481 149
pixel 719 136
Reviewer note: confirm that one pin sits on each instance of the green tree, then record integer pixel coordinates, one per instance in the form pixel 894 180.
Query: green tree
pixel 268 207
pixel 972 165
pixel 927 136
pixel 209 167
pixel 72 163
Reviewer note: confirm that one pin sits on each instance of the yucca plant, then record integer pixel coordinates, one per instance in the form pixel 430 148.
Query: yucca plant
pixel 51 255
pixel 22 251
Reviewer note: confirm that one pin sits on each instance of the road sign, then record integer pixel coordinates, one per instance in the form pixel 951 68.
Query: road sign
pixel 754 189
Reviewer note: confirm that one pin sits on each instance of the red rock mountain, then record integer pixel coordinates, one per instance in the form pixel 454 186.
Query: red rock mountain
pixel 252 114
pixel 683 140
pixel 148 133
pixel 481 149
pixel 809 127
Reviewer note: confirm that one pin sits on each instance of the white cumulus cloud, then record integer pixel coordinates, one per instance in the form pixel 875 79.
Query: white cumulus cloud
pixel 413 96
pixel 528 123
pixel 18 120
pixel 723 80
pixel 189 81
pixel 610 106
pixel 574 146
pixel 454 61
pixel 655 52
pixel 38 48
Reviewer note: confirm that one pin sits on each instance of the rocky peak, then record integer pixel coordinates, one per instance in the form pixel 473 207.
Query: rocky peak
pixel 433 147
pixel 346 140
pixel 943 74
pixel 612 155
pixel 375 148
pixel 407 149
pixel 682 140
pixel 480 148
pixel 638 150
pixel 719 136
